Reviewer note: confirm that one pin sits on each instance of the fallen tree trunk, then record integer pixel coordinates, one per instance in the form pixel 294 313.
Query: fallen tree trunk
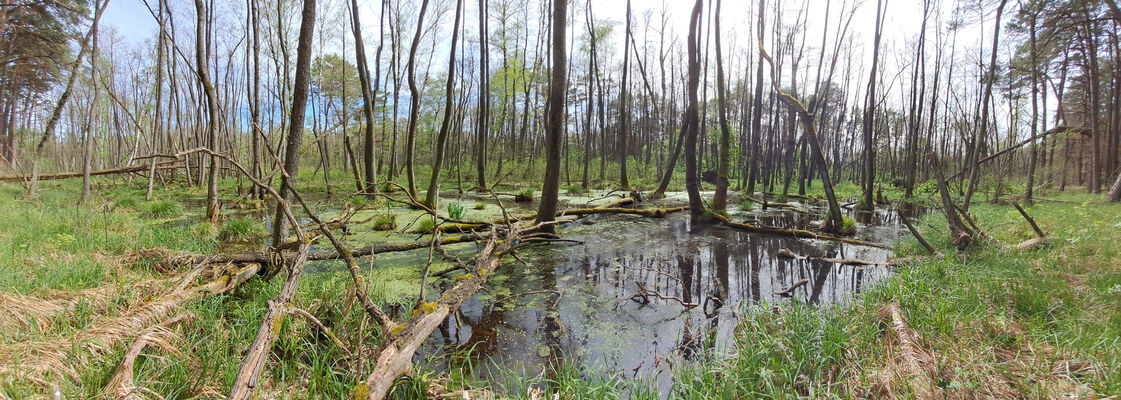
pixel 846 261
pixel 800 233
pixel 401 342
pixel 111 171
pixel 270 259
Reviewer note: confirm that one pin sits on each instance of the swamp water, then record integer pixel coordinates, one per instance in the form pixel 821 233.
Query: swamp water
pixel 574 303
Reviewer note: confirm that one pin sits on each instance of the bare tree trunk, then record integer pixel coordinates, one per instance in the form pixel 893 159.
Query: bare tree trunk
pixel 720 198
pixel 369 155
pixel 624 117
pixel 414 98
pixel 87 135
pixel 692 184
pixel 56 113
pixel 201 56
pixel 990 78
pixel 554 131
pixel 433 193
pixel 483 125
pixel 869 173
pixel 296 118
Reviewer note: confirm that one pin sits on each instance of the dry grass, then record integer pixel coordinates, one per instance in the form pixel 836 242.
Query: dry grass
pixel 62 357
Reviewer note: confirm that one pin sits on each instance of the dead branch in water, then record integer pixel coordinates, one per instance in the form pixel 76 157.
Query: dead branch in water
pixel 795 233
pixel 790 290
pixel 846 261
pixel 400 343
pixel 644 294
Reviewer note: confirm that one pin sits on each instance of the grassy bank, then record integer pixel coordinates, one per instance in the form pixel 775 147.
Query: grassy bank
pixel 998 322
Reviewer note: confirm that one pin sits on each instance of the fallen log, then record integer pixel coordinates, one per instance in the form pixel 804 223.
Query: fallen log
pixel 845 261
pixel 915 365
pixel 767 204
pixel 400 343
pixel 800 233
pixel 270 259
pixel 917 235
pixel 112 171
pixel 470 226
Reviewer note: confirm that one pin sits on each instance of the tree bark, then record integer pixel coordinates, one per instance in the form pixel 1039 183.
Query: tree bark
pixel 433 193
pixel 546 212
pixel 296 124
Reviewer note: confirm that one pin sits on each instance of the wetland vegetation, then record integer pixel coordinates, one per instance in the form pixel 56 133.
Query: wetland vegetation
pixel 560 199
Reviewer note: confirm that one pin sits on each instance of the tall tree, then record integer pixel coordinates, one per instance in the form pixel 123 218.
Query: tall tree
pixel 691 123
pixel 414 100
pixel 56 112
pixel 202 55
pixel 983 129
pixel 482 127
pixel 369 155
pixel 720 198
pixel 756 112
pixel 554 129
pixel 87 133
pixel 296 119
pixel 433 193
pixel 870 101
pixel 624 118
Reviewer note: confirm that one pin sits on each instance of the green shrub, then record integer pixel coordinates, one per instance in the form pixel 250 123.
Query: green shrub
pixel 575 190
pixel 385 222
pixel 241 229
pixel 164 209
pixel 455 210
pixel 480 206
pixel 359 201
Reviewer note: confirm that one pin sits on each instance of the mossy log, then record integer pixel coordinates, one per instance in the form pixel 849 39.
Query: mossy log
pixel 400 343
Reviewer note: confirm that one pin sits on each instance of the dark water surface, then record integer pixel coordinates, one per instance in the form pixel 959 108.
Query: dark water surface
pixel 577 304
pixel 573 303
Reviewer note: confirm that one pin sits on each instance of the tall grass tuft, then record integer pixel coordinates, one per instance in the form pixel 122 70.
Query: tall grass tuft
pixel 241 229
pixel 164 209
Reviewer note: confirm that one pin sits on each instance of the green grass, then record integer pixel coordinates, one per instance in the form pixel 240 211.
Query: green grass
pixel 424 225
pixel 385 222
pixel 575 190
pixel 163 209
pixel 242 229
pixel 972 309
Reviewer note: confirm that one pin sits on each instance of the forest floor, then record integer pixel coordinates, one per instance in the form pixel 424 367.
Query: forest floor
pixel 990 322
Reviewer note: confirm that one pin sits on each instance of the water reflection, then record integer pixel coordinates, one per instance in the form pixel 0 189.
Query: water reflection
pixel 595 322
